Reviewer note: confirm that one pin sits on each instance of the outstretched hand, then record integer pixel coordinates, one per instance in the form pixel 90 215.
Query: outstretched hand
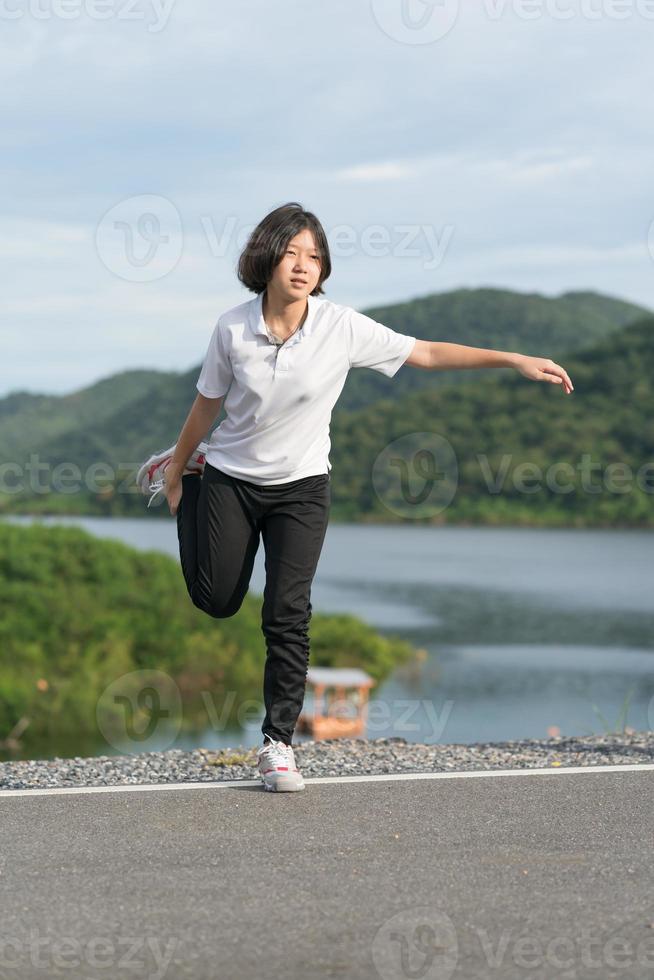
pixel 543 369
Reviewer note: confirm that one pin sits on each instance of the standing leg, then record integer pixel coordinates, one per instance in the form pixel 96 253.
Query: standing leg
pixel 293 529
pixel 218 531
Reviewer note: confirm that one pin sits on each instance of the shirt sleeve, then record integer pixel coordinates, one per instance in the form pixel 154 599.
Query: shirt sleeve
pixel 216 374
pixel 373 345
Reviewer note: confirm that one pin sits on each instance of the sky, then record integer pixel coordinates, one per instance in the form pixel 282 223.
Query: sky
pixel 442 145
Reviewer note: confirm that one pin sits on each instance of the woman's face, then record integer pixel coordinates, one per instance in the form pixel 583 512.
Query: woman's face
pixel 298 272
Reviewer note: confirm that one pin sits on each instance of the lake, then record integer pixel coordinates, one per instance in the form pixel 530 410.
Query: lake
pixel 524 628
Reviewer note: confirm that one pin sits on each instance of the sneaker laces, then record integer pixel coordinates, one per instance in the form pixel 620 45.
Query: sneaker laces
pixel 157 487
pixel 277 752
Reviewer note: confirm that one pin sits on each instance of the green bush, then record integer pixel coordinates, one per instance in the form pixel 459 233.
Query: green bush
pixel 78 612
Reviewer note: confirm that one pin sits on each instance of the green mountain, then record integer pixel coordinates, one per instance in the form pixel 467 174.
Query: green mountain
pixel 121 420
pixel 32 423
pixel 518 451
pixel 493 318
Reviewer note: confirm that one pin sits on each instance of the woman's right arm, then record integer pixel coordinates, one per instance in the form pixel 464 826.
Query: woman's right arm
pixel 203 412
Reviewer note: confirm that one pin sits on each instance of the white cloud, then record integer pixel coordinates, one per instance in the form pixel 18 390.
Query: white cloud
pixel 375 171
pixel 512 133
pixel 534 166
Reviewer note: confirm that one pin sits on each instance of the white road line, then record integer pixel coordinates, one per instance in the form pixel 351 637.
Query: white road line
pixel 236 783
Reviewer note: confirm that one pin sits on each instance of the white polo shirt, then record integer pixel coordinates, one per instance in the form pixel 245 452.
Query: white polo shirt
pixel 280 396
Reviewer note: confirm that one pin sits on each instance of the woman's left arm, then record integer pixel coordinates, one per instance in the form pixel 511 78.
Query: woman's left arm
pixel 441 356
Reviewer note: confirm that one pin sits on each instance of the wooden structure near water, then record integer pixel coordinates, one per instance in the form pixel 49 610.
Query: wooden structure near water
pixel 340 700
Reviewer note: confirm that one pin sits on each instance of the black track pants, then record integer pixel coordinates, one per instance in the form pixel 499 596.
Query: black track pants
pixel 219 520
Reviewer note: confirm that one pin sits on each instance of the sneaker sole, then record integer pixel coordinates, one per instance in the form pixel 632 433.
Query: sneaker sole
pixel 283 785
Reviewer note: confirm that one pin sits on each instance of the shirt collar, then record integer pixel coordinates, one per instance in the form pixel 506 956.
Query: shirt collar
pixel 258 323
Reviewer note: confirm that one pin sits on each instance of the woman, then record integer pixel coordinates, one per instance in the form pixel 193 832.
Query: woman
pixel 280 361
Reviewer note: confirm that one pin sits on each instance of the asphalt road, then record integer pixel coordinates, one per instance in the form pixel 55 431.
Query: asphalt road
pixel 540 876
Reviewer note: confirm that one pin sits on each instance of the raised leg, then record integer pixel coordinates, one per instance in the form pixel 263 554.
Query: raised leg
pixel 218 542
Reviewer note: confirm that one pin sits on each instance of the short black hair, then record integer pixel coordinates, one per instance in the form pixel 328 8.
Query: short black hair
pixel 266 246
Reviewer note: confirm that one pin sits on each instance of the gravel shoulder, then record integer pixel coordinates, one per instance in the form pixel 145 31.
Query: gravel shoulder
pixel 331 757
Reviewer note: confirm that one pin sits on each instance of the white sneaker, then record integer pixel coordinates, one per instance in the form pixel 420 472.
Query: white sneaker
pixel 277 767
pixel 150 477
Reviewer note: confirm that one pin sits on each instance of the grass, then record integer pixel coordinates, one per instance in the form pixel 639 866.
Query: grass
pixel 227 758
pixel 621 726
